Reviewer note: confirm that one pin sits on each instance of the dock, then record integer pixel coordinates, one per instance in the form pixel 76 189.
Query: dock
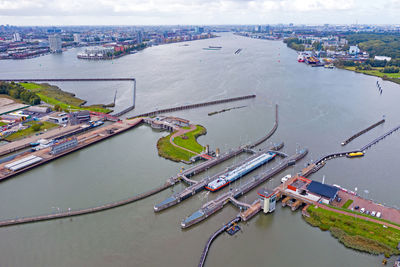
pixel 84 140
pixel 214 205
pixel 195 187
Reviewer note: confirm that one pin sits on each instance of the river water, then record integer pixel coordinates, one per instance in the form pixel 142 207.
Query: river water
pixel 318 109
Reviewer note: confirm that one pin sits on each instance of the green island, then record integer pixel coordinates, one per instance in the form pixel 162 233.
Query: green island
pixel 66 101
pixel 35 127
pixel 356 233
pixel 187 140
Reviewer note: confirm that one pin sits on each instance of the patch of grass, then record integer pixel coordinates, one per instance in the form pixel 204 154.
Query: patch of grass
pixel 394 77
pixel 2 123
pixel 30 131
pixel 356 233
pixel 55 96
pixel 362 214
pixel 167 150
pixel 189 139
pixel 347 204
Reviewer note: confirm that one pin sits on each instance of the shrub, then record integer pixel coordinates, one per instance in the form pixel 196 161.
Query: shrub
pixel 36 127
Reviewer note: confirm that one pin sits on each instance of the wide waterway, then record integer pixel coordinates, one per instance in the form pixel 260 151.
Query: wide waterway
pixel 319 108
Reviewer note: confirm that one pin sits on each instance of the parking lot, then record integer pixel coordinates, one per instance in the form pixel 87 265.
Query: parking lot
pixel 387 213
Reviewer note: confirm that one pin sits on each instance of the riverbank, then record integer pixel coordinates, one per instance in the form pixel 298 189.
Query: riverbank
pixel 393 77
pixel 356 233
pixel 182 147
pixel 53 95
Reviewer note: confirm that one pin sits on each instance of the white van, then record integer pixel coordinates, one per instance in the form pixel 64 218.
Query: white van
pixel 378 214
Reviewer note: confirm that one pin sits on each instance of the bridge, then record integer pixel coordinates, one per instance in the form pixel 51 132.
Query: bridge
pixel 84 80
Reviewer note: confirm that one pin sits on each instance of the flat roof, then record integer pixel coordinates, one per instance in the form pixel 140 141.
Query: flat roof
pixel 322 189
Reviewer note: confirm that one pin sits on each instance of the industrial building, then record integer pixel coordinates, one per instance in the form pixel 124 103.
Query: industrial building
pixel 61 118
pixel 38 109
pixel 167 123
pixel 63 145
pixel 268 200
pixel 312 191
pixel 22 163
pixel 79 117
pixel 327 193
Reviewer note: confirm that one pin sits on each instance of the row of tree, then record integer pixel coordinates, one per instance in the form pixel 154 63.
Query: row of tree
pixel 295 43
pixel 18 92
pixel 377 44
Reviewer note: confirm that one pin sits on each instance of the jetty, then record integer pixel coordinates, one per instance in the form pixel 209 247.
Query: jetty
pixel 362 132
pixel 197 186
pixel 214 205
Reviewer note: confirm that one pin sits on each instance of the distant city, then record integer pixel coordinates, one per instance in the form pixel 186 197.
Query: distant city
pixel 106 42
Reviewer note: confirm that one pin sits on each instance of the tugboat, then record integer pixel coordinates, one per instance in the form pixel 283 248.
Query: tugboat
pixel 300 58
pixel 329 66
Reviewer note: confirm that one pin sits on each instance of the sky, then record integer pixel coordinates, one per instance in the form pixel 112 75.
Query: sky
pixel 197 12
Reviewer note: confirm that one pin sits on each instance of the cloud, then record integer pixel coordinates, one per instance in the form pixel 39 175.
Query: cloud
pixel 194 11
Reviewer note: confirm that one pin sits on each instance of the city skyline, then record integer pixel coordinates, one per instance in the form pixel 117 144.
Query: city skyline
pixel 197 12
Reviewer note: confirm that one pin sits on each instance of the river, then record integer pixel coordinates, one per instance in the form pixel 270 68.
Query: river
pixel 318 109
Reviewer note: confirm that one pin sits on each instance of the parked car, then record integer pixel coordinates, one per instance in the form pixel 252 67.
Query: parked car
pixel 373 213
pixel 356 207
pixel 339 199
pixel 367 212
pixel 362 210
pixel 378 214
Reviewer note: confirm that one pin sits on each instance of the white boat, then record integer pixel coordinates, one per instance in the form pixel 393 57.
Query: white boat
pixel 286 178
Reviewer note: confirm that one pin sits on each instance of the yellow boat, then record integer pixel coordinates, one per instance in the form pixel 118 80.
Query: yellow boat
pixel 355 154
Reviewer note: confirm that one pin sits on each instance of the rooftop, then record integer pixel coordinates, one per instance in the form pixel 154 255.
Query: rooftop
pixel 322 189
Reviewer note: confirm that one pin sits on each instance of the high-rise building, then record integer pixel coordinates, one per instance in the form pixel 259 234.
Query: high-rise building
pixel 55 43
pixel 140 37
pixel 77 38
pixel 16 37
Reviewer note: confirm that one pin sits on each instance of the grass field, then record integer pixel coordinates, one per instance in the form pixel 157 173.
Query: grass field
pixel 356 233
pixel 2 123
pixel 347 204
pixel 167 150
pixel 394 77
pixel 29 131
pixel 55 96
pixel 191 141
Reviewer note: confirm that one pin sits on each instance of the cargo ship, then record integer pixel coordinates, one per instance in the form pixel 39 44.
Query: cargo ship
pixel 300 58
pixel 240 171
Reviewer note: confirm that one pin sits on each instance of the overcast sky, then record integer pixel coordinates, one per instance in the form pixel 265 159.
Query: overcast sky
pixel 156 12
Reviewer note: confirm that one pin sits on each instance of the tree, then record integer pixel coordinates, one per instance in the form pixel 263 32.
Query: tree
pixel 57 107
pixel 36 127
